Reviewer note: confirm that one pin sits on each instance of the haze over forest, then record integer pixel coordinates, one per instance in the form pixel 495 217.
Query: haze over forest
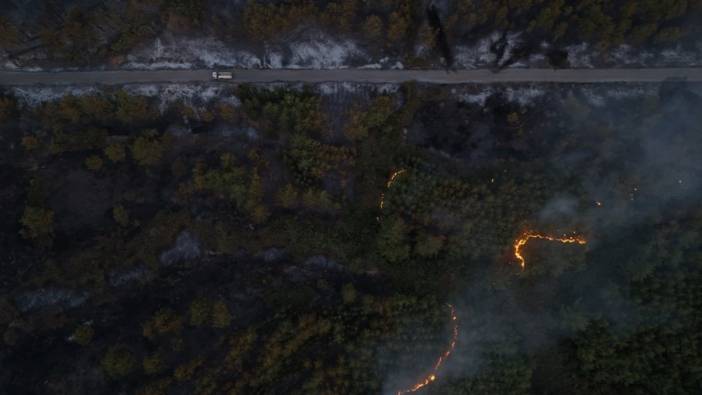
pixel 350 238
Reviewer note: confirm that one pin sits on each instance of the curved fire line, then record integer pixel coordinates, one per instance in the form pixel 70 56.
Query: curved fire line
pixel 518 245
pixel 524 239
pixel 388 184
pixel 431 377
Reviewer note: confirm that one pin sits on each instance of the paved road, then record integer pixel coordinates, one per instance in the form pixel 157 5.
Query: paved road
pixel 355 75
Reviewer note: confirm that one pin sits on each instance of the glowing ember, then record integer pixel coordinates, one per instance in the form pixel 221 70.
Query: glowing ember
pixel 431 377
pixel 391 180
pixel 521 242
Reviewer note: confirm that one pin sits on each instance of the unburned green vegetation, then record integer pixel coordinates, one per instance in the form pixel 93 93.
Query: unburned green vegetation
pixel 261 249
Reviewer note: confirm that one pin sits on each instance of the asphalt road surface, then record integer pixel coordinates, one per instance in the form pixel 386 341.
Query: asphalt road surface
pixel 481 76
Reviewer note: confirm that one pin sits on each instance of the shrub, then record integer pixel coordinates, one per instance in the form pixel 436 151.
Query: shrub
pixel 37 222
pixel 8 107
pixel 288 197
pixel 148 149
pixel 159 387
pixel 164 321
pixel 83 140
pixel 373 28
pixel 428 246
pixel 186 371
pixel 152 364
pixel 30 143
pixel 115 152
pixel 118 362
pixel 221 318
pixel 121 216
pixel 93 163
pixel 392 241
pixel 199 311
pixel 132 109
pixel 227 112
pixel 348 293
pixel 83 335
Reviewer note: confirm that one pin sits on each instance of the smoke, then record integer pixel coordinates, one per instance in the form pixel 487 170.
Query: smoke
pixel 633 165
pixel 637 165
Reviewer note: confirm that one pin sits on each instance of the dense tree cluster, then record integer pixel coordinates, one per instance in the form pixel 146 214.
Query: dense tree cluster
pixel 605 24
pixel 106 31
pixel 198 255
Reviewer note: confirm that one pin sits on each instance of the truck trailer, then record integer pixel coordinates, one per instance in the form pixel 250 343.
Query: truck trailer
pixel 222 75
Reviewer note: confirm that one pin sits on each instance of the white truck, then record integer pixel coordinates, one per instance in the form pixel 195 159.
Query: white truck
pixel 222 75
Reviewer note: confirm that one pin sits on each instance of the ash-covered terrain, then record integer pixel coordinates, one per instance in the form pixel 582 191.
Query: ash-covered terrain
pixel 388 34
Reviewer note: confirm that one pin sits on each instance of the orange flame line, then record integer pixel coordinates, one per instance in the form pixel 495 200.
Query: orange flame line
pixel 388 184
pixel 431 377
pixel 524 239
